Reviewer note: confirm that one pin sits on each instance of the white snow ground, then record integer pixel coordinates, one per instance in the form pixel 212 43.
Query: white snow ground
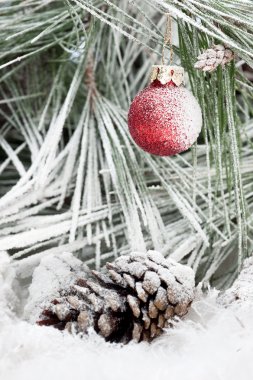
pixel 212 343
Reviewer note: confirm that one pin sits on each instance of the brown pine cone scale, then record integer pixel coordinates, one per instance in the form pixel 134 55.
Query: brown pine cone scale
pixel 135 298
pixel 211 58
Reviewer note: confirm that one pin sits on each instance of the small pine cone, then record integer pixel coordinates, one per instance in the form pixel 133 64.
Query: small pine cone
pixel 211 58
pixel 136 298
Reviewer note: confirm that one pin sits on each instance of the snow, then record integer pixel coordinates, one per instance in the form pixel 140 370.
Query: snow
pixel 54 273
pixel 213 342
pixel 242 289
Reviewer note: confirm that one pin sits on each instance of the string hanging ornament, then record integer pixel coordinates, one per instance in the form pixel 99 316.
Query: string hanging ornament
pixel 165 118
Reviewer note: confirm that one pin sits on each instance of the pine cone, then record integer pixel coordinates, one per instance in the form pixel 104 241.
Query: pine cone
pixel 136 297
pixel 210 59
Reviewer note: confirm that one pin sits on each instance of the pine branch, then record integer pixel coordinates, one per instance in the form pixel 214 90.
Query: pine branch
pixel 72 179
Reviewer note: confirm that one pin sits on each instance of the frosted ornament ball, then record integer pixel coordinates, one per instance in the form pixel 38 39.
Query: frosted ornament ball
pixel 165 118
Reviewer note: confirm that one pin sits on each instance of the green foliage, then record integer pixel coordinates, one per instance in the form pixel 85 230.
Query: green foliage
pixel 70 176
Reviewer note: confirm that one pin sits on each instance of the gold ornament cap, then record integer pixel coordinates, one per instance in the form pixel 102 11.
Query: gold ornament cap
pixel 166 73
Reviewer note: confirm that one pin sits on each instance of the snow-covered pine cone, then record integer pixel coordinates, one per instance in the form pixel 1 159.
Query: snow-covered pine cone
pixel 136 297
pixel 211 58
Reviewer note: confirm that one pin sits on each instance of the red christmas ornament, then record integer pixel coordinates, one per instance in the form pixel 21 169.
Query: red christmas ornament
pixel 165 119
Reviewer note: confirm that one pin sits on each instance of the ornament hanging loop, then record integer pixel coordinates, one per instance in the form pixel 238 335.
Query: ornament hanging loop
pixel 168 73
pixel 168 39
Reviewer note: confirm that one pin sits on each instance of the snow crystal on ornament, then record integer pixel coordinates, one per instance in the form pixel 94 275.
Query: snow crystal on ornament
pixel 164 119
